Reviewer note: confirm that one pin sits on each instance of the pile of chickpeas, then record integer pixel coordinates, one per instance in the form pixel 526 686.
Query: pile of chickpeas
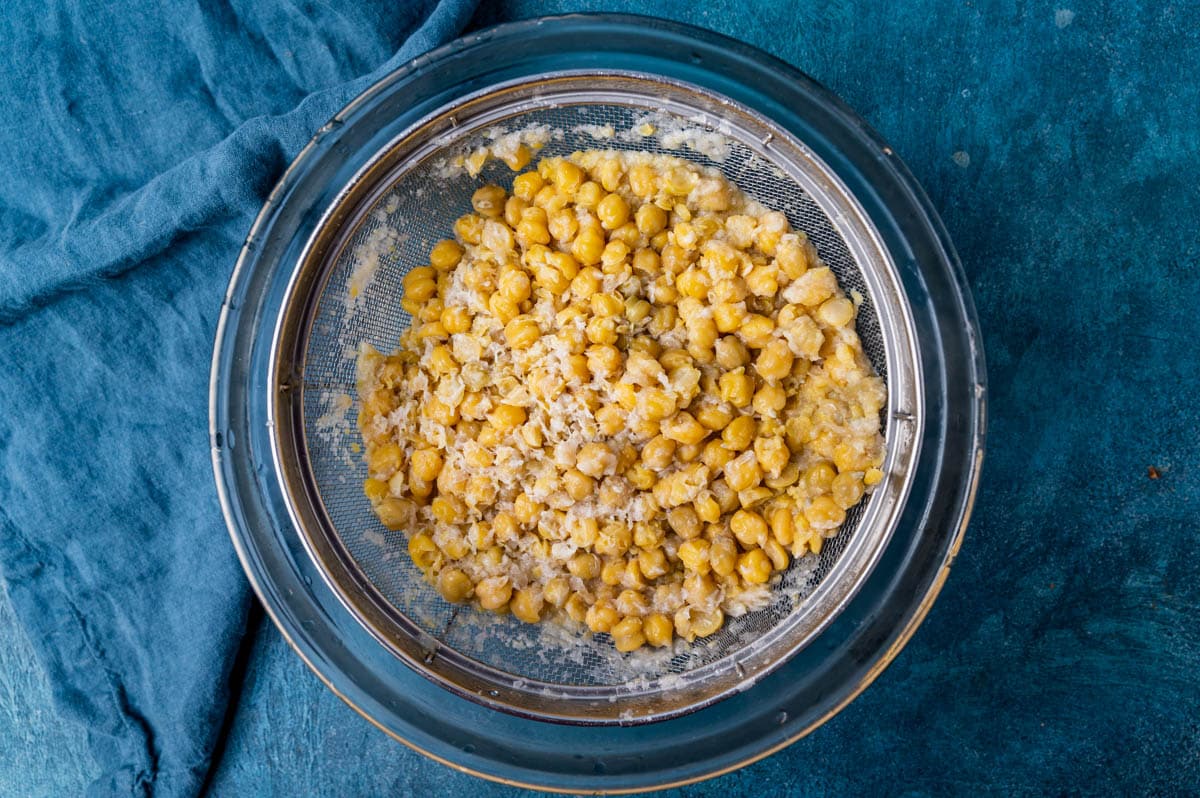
pixel 629 397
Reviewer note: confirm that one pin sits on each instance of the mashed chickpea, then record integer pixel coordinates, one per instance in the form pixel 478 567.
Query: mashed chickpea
pixel 629 397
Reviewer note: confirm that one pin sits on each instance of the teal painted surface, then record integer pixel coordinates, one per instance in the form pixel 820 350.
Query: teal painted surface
pixel 1061 143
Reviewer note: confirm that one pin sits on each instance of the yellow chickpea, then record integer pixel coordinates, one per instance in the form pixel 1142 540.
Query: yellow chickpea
pixel 819 477
pixel 455 585
pixel 602 617
pixel 722 555
pixel 769 400
pixel 566 176
pixel 588 247
pixel 488 200
pixel 743 471
pixel 522 332
pixel 757 331
pixel 684 521
pixel 777 554
pixel 772 454
pixel 445 255
pixel 456 320
pixel 824 513
pixel 731 352
pixel 468 228
pixel 762 281
pixel 423 551
pixel 578 485
pixel 737 388
pixel 514 285
pixel 602 330
pixel 783 526
pixel 694 554
pixel 684 428
pixel 627 635
pixel 658 629
pixel 774 361
pixel 836 312
pixel 494 592
pixel 716 455
pixel 595 459
pixel 748 527
pixel 659 452
pixel 714 416
pixel 527 185
pixel 656 404
pixel 506 417
pixel 426 464
pixel 754 566
pixel 739 434
pixel 613 211
pixel 526 605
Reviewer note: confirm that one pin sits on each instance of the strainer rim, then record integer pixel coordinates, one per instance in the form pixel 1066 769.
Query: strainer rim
pixel 389 624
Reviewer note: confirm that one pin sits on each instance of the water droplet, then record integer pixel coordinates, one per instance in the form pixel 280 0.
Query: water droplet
pixel 219 439
pixel 781 718
pixel 694 57
pixel 468 748
pixel 493 693
pixel 598 766
pixel 229 438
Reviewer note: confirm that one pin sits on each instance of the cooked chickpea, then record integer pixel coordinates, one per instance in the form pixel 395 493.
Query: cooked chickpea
pixel 627 635
pixel 783 525
pixel 613 211
pixel 656 404
pixel 739 434
pixel 737 388
pixel 454 585
pixel 526 605
pixel 602 617
pixel 521 332
pixel 445 255
pixel 527 185
pixel 754 566
pixel 748 527
pixel 836 312
pixel 743 471
pixel 494 592
pixel 488 200
pixel 658 452
pixel 684 521
pixel 694 554
pixel 588 246
pixel 658 629
pixel 824 513
pixel 684 428
pixel 769 400
pixel 426 464
pixel 595 459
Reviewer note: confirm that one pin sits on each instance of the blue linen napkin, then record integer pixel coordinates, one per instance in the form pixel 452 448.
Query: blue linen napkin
pixel 137 143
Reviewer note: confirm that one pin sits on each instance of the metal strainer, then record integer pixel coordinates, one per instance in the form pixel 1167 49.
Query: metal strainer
pixel 384 222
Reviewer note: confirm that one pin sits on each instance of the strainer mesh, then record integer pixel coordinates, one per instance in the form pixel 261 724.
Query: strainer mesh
pixel 395 235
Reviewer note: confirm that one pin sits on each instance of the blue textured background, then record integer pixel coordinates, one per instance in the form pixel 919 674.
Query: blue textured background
pixel 1062 145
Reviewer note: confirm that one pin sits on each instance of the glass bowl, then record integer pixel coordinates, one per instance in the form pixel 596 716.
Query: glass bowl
pixel 834 665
